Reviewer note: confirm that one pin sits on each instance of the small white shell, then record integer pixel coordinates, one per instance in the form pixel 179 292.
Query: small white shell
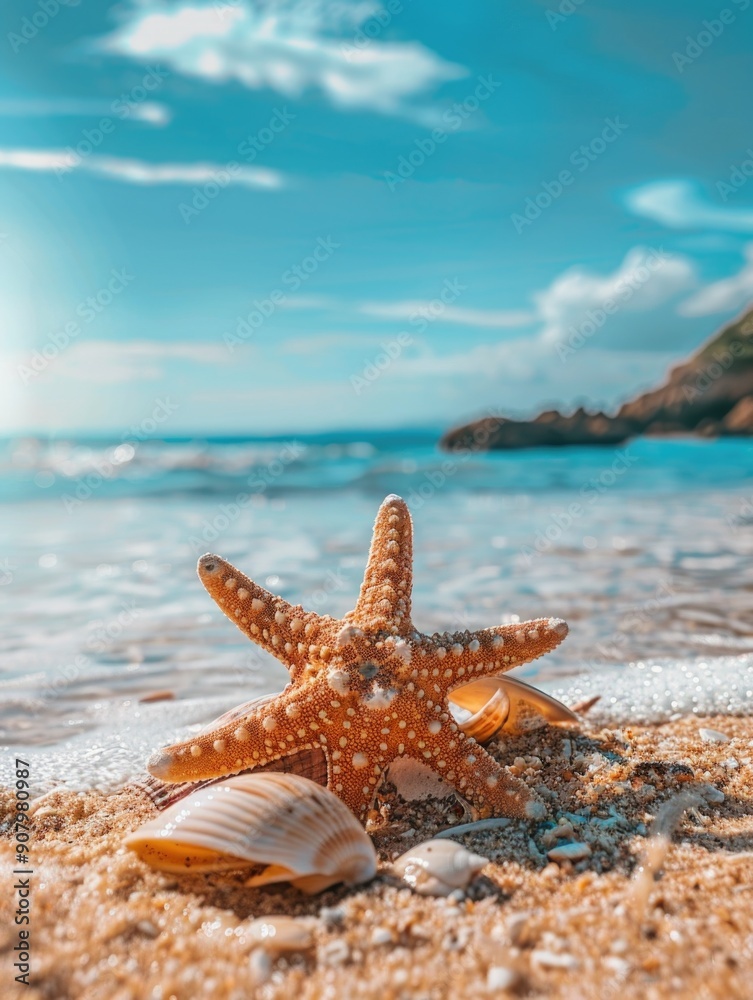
pixel 506 703
pixel 279 933
pixel 438 867
pixel 289 827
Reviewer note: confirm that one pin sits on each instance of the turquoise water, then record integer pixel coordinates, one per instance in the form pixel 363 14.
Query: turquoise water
pixel 645 550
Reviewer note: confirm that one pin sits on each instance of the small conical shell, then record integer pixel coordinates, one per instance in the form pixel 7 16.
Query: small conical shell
pixel 508 704
pixel 296 830
pixel 438 867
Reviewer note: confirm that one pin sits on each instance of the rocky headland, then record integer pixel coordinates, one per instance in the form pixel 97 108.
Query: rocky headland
pixel 710 394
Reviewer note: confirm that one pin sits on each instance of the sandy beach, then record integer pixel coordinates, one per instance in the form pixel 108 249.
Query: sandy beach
pixel 637 918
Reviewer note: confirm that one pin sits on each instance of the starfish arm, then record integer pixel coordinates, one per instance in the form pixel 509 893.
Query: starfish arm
pixel 272 731
pixel 285 631
pixel 478 777
pixel 385 598
pixel 354 782
pixel 463 656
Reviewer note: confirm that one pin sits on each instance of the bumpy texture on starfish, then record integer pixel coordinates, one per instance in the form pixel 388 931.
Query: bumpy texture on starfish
pixel 366 690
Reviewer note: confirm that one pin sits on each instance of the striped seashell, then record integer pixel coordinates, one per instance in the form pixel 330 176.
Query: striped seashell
pixel 493 704
pixel 289 828
pixel 438 867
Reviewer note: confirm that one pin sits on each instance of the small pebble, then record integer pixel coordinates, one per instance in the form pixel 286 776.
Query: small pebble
pixel 147 928
pixel 332 916
pixel 335 952
pixel 499 977
pixel 381 935
pixel 277 934
pixel 713 736
pixel 261 965
pixel 553 960
pixel 575 851
pixel 618 965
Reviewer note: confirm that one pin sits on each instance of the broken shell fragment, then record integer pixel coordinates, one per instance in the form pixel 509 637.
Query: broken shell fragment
pixel 285 826
pixel 492 704
pixel 277 934
pixel 438 867
pixel 575 851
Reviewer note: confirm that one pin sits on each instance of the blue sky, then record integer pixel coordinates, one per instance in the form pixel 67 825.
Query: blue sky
pixel 298 216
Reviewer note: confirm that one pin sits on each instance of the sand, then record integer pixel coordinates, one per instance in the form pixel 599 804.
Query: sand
pixel 104 925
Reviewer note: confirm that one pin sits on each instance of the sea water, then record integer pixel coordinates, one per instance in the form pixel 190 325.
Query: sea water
pixel 644 549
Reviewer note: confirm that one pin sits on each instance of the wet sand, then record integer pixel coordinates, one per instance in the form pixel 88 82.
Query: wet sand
pixel 640 917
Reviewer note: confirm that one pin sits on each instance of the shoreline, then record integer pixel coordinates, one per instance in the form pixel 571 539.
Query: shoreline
pixel 104 925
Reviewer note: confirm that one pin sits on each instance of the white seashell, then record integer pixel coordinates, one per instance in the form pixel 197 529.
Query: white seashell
pixel 438 867
pixel 289 827
pixel 278 933
pixel 491 704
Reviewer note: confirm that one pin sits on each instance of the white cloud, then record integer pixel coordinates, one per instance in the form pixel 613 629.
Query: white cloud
pixel 723 296
pixel 441 313
pixel 288 46
pixel 645 279
pixel 573 308
pixel 679 205
pixel 113 361
pixel 132 171
pixel 152 112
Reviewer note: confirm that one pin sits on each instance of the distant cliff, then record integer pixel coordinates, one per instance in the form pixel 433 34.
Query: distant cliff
pixel 711 395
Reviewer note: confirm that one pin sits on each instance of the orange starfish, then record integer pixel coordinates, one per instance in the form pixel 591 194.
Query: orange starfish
pixel 365 690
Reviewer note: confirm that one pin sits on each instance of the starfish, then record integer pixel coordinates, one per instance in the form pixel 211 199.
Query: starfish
pixel 367 689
